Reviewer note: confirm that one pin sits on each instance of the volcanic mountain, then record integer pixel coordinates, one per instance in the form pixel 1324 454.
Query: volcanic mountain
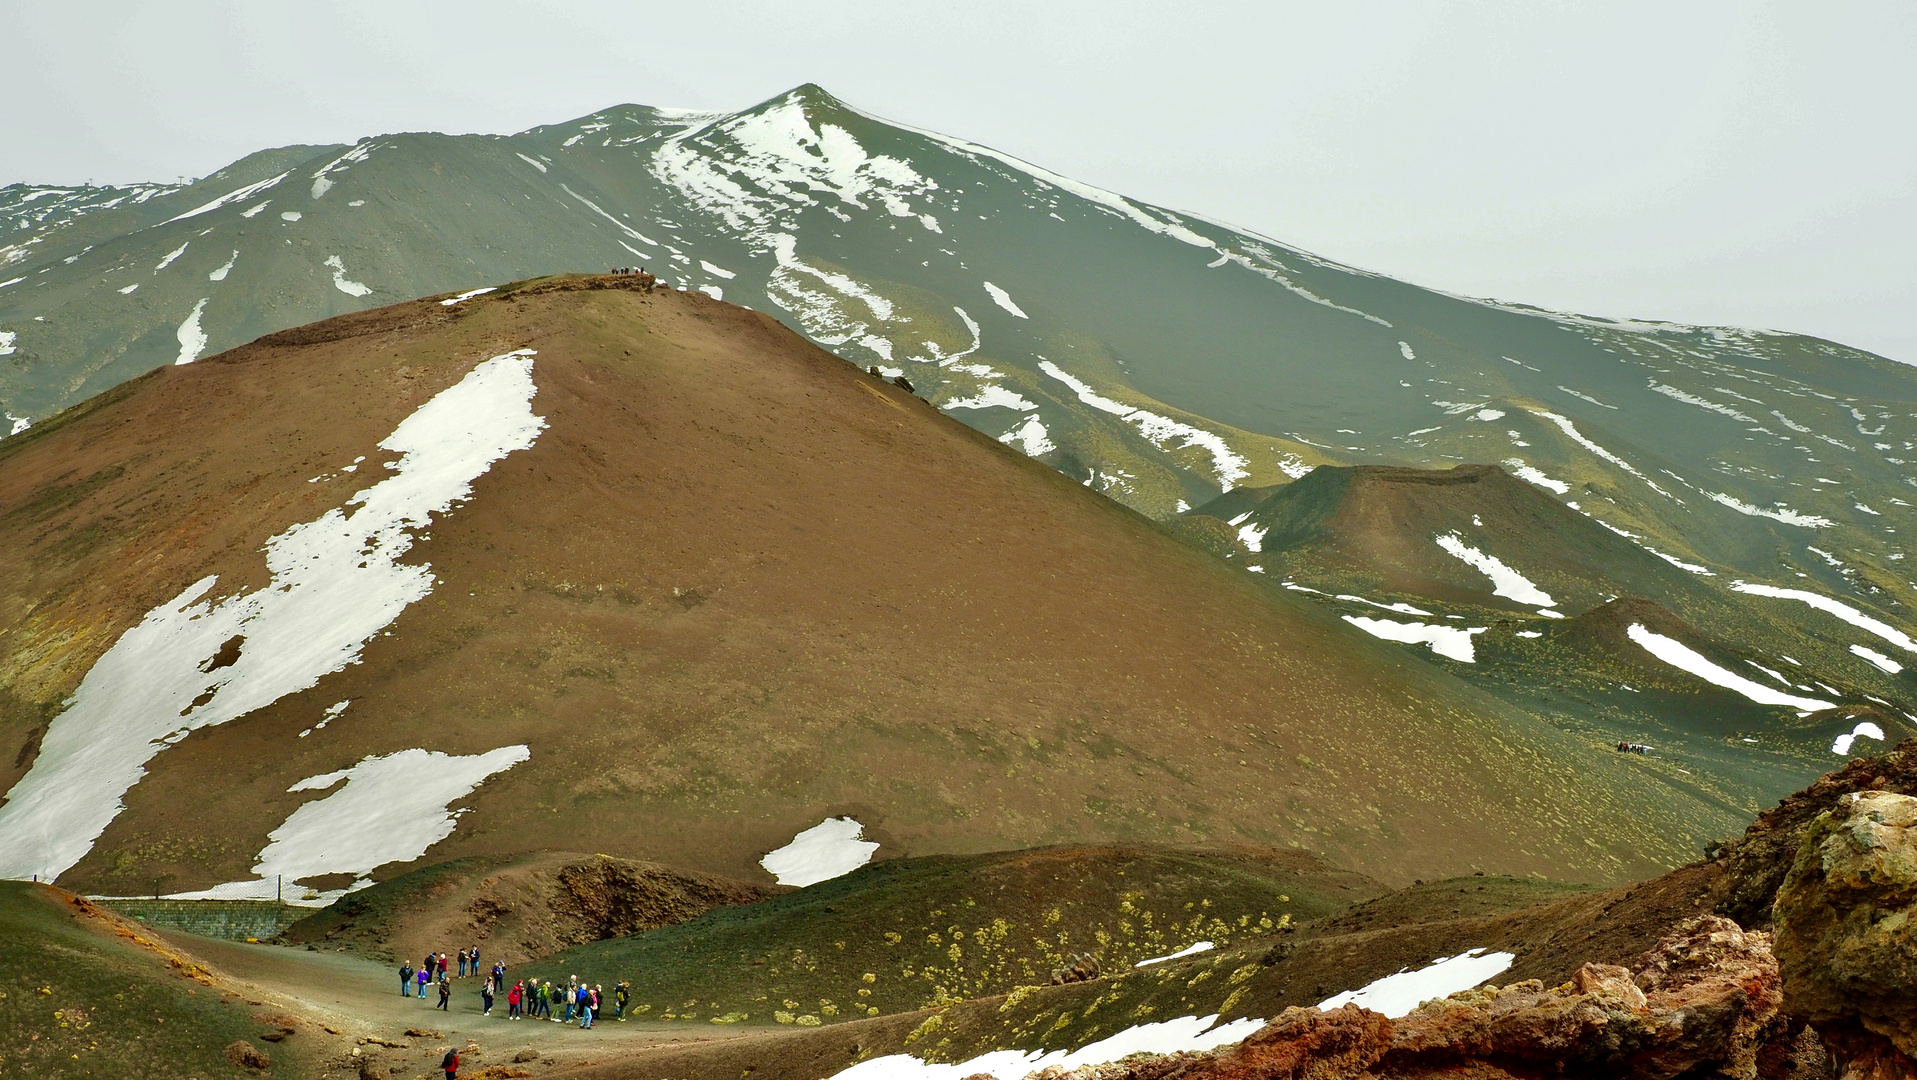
pixel 622 569
pixel 1161 357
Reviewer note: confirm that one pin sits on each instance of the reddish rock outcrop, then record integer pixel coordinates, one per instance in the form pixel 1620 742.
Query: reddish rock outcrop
pixel 1704 1003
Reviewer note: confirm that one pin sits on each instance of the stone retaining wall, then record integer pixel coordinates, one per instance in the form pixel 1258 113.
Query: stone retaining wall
pixel 233 919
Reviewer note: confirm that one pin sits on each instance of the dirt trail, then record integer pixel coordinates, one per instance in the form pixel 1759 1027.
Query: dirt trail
pixel 360 998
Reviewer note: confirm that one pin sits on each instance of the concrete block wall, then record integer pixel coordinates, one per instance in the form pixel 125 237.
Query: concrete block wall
pixel 236 920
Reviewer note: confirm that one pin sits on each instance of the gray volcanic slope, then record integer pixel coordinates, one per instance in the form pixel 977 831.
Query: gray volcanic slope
pixel 1160 358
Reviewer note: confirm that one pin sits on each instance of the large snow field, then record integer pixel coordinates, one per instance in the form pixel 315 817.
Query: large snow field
pixel 336 581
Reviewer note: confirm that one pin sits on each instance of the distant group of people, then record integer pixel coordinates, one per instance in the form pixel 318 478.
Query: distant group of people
pixel 1632 748
pixel 530 997
pixel 432 971
pixel 628 270
pixel 527 997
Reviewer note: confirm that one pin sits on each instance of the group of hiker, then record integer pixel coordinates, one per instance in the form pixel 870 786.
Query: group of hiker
pixel 628 270
pixel 527 997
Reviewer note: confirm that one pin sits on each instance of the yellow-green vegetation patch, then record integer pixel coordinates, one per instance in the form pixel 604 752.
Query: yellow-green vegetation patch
pixel 83 996
pixel 912 933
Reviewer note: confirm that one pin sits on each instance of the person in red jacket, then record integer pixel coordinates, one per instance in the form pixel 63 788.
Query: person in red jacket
pixel 513 998
pixel 450 1063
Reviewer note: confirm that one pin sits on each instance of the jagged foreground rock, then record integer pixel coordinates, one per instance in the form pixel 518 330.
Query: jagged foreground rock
pixel 1843 920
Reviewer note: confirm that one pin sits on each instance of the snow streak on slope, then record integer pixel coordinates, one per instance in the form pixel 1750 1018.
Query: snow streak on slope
pixel 1835 607
pixel 336 582
pixel 1228 465
pixel 1683 657
pixel 391 809
pixel 1507 582
pixel 1453 642
pixel 1187 1034
pixel 1396 995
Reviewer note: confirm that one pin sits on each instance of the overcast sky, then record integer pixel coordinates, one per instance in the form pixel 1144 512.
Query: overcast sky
pixel 1743 163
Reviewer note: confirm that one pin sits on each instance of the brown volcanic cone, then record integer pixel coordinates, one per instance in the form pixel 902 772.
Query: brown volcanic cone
pixel 736 586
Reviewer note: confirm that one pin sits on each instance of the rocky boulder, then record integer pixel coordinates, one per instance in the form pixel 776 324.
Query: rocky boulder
pixel 1754 865
pixel 1845 938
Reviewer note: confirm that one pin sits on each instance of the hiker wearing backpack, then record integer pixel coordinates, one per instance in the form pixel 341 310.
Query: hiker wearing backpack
pixel 513 998
pixel 583 998
pixel 619 1000
pixel 450 1063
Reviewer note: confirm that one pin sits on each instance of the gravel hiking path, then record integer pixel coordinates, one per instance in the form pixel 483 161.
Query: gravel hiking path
pixel 360 998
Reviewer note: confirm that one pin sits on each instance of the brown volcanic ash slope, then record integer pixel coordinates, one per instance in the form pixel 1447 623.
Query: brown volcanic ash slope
pixel 734 586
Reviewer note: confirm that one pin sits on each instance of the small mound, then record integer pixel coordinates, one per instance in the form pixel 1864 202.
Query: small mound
pixel 516 907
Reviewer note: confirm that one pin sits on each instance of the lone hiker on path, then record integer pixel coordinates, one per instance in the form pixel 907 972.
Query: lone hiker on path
pixel 445 993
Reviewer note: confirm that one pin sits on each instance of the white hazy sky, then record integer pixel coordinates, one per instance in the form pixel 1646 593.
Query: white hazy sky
pixel 1748 163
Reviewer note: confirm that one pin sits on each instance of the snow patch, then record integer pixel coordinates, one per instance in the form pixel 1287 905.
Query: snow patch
pixel 350 288
pixel 230 197
pixel 534 162
pixel 718 270
pixel 832 848
pixel 1396 995
pixel 220 274
pixel 1834 607
pixel 192 339
pixel 336 581
pixel 1532 475
pixel 467 295
pixel 1029 438
pixel 1453 642
pixel 1782 513
pixel 167 259
pixel 1505 581
pixel 1004 299
pixel 1865 730
pixel 1684 658
pixel 1882 662
pixel 392 808
pixel 1186 1034
pixel 1228 464
pixel 1193 949
pixel 993 395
